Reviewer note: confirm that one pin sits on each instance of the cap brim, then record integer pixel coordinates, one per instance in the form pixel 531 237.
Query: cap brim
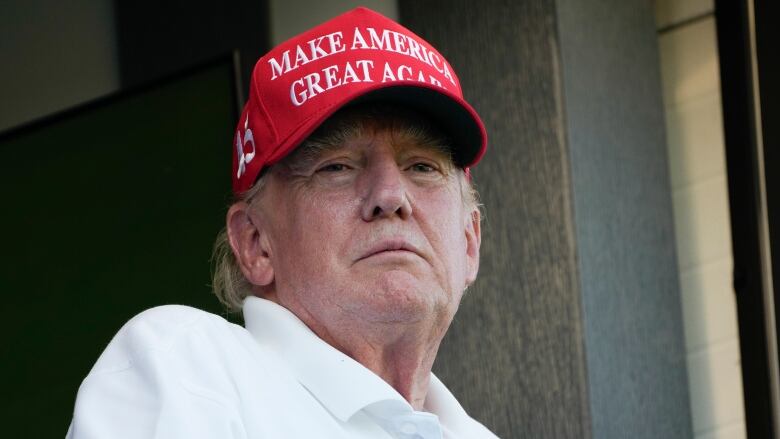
pixel 454 116
pixel 458 120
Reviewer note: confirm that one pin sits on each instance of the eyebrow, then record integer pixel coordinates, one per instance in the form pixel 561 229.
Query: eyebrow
pixel 308 153
pixel 316 146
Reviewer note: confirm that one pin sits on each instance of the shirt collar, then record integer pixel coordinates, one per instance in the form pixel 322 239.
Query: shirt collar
pixel 340 383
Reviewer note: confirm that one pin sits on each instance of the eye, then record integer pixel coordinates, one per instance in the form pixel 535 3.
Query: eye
pixel 422 167
pixel 333 167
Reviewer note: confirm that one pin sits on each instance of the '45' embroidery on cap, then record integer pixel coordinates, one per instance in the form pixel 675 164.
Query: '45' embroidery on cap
pixel 244 159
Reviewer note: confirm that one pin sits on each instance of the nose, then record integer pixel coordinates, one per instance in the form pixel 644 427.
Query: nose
pixel 386 193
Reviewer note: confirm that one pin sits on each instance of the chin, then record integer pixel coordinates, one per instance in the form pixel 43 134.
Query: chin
pixel 398 297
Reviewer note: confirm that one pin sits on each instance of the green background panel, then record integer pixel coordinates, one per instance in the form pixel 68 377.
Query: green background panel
pixel 107 210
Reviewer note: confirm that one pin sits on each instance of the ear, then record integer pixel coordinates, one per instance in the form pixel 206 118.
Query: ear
pixel 473 241
pixel 250 245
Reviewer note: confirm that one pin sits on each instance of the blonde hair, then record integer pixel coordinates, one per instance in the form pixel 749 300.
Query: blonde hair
pixel 228 282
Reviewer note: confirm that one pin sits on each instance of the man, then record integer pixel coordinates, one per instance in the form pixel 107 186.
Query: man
pixel 354 235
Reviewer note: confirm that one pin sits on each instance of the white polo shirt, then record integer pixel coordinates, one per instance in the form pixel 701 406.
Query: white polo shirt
pixel 179 372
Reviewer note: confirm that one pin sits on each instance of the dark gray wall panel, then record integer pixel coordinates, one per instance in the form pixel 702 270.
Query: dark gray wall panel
pixel 624 224
pixel 573 329
pixel 161 37
pixel 514 355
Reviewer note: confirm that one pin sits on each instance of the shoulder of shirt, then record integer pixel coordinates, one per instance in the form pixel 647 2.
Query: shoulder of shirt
pixel 157 331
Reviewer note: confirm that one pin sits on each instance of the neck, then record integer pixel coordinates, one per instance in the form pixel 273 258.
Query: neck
pixel 401 353
pixel 403 359
pixel 404 364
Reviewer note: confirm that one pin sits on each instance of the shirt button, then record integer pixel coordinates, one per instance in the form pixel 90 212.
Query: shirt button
pixel 408 428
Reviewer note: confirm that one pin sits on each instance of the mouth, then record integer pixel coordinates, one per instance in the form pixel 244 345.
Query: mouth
pixel 390 247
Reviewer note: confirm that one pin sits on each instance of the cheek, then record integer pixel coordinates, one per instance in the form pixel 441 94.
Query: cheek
pixel 312 237
pixel 446 227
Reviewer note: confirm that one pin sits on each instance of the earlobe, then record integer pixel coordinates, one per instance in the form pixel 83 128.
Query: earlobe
pixel 250 245
pixel 473 242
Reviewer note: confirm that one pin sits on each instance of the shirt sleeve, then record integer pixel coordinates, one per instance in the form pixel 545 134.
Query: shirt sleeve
pixel 142 386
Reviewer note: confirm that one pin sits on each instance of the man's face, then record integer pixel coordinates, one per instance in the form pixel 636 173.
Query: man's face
pixel 373 230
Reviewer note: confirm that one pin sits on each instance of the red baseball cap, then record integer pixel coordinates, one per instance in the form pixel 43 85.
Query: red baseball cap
pixel 358 56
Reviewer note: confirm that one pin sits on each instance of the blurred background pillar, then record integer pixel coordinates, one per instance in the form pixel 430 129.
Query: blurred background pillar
pixel 573 329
